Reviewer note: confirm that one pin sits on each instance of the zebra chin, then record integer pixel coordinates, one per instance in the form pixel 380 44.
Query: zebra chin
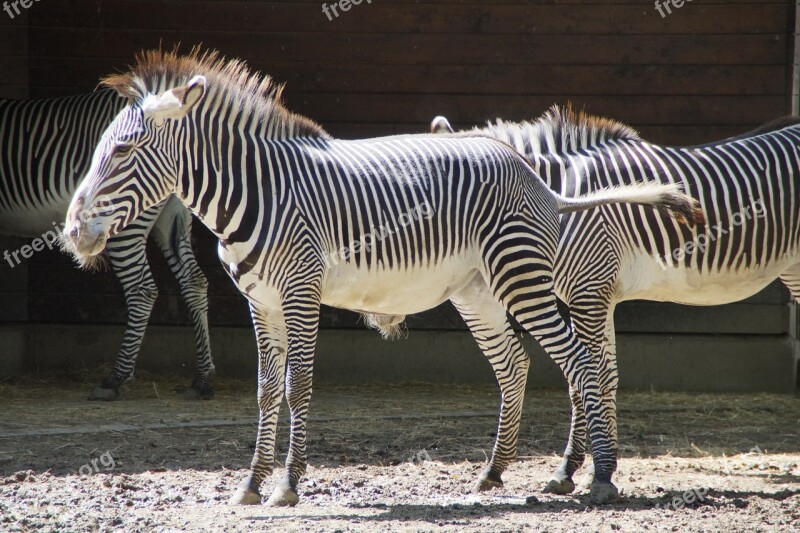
pixel 86 250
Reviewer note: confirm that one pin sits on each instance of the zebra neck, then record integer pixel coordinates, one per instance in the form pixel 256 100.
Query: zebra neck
pixel 229 182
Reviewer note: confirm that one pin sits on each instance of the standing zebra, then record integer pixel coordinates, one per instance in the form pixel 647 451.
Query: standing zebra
pixel 45 148
pixel 747 186
pixel 386 226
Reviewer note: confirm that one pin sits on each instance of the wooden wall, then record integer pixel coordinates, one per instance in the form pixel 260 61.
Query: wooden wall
pixel 13 84
pixel 710 69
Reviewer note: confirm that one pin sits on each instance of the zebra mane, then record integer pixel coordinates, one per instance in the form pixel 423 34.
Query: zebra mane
pixel 561 129
pixel 579 127
pixel 252 93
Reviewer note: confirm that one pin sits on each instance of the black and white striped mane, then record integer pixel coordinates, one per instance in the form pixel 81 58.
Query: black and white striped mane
pixel 561 130
pixel 249 94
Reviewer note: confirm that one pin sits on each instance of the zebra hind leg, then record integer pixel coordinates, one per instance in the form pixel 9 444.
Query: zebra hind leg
pixel 520 274
pixel 172 233
pixel 488 322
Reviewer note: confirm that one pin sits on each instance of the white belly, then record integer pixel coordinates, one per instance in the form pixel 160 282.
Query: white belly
pixel 397 292
pixel 643 278
pixel 377 291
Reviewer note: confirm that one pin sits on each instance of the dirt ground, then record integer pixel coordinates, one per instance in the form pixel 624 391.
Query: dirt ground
pixel 387 458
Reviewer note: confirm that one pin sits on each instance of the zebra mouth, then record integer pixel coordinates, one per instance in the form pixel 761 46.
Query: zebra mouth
pixel 82 244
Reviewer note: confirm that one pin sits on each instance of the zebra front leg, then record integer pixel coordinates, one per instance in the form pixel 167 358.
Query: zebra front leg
pixel 172 233
pixel 302 324
pixel 488 322
pixel 128 259
pixel 271 338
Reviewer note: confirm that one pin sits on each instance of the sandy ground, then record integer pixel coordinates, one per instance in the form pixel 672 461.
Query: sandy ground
pixel 387 458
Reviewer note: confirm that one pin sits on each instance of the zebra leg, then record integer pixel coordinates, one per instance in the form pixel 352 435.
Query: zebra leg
pixel 488 322
pixel 128 258
pixel 172 233
pixel 561 481
pixel 302 324
pixel 521 278
pixel 271 337
pixel 594 325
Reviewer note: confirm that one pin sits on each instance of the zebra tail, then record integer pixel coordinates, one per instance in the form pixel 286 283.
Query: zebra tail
pixel 667 198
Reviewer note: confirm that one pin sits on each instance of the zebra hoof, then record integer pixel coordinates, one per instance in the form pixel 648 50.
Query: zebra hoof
pixel 103 394
pixel 488 480
pixel 603 492
pixel 283 497
pixel 244 496
pixel 559 486
pixel 194 394
pixel 200 390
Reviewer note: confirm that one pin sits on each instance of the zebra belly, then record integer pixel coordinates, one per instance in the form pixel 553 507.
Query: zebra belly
pixel 641 277
pixel 396 291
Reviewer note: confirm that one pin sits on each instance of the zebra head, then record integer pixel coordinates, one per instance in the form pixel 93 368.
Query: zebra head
pixel 135 166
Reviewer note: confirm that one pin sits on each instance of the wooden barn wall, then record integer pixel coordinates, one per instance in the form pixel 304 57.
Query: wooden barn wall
pixel 708 70
pixel 13 84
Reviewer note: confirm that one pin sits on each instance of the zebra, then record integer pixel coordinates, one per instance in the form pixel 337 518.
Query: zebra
pixel 45 148
pixel 386 226
pixel 747 187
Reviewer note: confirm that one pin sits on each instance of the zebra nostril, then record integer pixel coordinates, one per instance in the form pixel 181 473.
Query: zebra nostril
pixel 73 233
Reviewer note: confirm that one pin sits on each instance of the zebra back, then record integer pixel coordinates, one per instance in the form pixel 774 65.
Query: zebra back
pixel 747 186
pixel 46 147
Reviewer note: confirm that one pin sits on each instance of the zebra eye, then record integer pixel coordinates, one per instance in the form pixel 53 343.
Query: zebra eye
pixel 122 149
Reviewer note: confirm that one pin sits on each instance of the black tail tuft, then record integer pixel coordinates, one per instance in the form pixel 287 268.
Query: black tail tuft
pixel 684 209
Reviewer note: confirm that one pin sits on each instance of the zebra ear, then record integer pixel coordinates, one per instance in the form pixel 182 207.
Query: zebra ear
pixel 175 103
pixel 440 124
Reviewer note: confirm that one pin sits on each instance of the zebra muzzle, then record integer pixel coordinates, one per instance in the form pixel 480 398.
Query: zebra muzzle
pixel 82 239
